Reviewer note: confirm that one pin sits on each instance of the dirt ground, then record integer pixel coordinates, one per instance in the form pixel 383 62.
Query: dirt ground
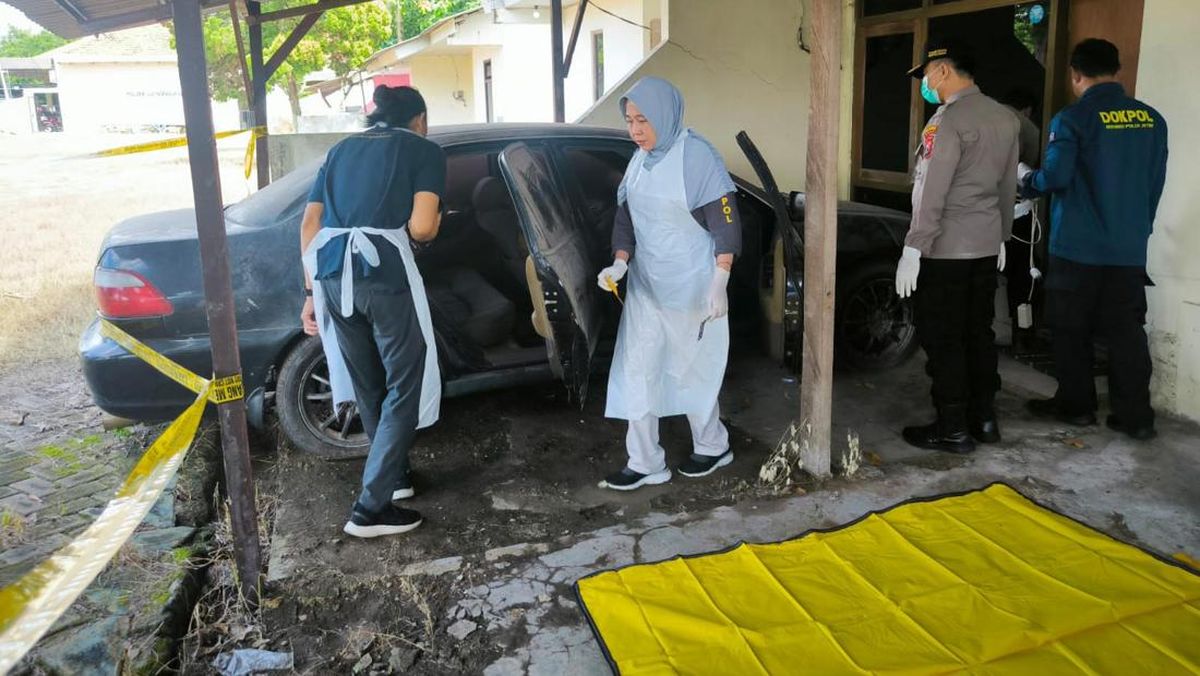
pixel 57 205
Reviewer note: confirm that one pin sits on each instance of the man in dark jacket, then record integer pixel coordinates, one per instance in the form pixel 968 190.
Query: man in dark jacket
pixel 1105 167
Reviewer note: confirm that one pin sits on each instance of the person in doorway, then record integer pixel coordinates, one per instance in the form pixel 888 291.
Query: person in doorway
pixel 378 190
pixel 1020 283
pixel 964 187
pixel 1105 167
pixel 676 234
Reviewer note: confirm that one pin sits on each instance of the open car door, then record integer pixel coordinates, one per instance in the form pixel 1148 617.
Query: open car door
pixel 792 244
pixel 560 270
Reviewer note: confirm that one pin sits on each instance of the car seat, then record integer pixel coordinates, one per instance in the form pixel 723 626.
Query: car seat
pixel 471 304
pixel 496 216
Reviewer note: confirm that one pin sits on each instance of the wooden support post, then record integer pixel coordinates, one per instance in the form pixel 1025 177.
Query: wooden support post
pixel 236 19
pixel 218 289
pixel 258 102
pixel 285 50
pixel 556 61
pixel 820 233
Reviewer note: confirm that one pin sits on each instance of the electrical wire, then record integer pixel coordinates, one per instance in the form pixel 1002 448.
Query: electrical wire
pixel 631 22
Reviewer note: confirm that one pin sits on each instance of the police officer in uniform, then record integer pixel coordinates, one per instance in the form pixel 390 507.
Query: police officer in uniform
pixel 1105 168
pixel 964 186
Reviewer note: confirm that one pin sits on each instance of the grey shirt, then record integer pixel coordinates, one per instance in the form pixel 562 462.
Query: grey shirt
pixel 1030 140
pixel 965 181
pixel 720 217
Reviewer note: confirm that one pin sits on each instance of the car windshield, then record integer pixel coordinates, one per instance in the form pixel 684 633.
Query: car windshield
pixel 277 202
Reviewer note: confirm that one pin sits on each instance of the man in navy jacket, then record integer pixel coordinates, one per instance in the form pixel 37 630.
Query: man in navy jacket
pixel 1105 167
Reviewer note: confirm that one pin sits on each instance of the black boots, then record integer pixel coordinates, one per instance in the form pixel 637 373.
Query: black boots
pixel 949 433
pixel 985 430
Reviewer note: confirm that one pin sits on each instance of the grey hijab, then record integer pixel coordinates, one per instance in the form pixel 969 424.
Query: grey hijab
pixel 704 175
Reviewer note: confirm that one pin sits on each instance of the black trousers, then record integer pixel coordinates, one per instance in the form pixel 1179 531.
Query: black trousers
pixel 1088 301
pixel 954 307
pixel 385 353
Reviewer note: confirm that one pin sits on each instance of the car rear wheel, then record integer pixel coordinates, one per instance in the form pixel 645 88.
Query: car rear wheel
pixel 875 327
pixel 304 405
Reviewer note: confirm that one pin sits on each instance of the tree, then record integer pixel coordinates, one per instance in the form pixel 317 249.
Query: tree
pixel 342 39
pixel 413 17
pixel 20 43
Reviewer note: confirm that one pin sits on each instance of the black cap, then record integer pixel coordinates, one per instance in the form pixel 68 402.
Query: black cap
pixel 946 48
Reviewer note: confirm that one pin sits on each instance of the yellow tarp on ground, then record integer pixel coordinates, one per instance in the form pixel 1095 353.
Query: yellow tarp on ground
pixel 982 583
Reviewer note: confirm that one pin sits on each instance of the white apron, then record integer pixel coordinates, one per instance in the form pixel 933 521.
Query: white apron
pixel 358 242
pixel 662 366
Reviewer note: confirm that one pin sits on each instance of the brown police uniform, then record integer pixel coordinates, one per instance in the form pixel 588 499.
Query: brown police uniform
pixel 964 187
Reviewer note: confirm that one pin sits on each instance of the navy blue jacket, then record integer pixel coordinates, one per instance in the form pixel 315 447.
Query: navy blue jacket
pixel 1105 167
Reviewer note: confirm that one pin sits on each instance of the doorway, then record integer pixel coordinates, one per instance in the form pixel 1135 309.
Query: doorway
pixel 1018 44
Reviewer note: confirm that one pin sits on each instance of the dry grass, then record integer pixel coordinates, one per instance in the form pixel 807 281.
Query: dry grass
pixel 57 208
pixel 223 618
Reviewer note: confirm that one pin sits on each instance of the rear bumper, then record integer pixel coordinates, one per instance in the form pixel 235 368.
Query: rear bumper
pixel 125 386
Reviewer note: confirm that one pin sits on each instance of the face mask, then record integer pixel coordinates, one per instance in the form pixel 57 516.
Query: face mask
pixel 928 93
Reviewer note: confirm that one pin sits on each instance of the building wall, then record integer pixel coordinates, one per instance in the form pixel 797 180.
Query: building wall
pixel 447 81
pixel 127 96
pixel 523 88
pixel 1169 52
pixel 740 70
pixel 626 44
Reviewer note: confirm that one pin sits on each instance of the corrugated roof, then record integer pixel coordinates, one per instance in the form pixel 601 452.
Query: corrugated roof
pixel 146 43
pixel 76 18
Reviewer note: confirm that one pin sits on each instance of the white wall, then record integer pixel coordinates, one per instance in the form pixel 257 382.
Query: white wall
pixel 129 96
pixel 16 115
pixel 522 86
pixel 447 81
pixel 625 46
pixel 737 70
pixel 1166 73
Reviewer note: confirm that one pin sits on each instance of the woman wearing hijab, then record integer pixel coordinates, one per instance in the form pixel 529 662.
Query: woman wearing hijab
pixel 378 190
pixel 676 234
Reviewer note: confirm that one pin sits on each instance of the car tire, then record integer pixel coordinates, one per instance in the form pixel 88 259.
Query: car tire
pixel 874 327
pixel 303 405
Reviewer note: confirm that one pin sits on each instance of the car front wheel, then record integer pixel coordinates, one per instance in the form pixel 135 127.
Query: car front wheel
pixel 875 327
pixel 306 411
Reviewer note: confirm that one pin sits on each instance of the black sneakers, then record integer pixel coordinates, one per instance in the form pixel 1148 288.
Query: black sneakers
pixel 391 521
pixel 628 480
pixel 702 465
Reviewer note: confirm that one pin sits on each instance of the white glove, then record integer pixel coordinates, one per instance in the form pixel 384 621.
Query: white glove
pixel 1003 257
pixel 718 298
pixel 906 272
pixel 1023 172
pixel 613 273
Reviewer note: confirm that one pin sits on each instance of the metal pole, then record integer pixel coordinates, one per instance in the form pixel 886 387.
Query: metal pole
pixel 258 101
pixel 820 233
pixel 556 60
pixel 4 83
pixel 218 289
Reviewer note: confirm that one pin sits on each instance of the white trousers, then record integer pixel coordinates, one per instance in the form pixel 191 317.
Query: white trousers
pixel 646 456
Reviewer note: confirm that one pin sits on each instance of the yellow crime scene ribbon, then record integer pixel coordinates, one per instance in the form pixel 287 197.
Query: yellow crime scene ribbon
pixel 31 605
pixel 180 141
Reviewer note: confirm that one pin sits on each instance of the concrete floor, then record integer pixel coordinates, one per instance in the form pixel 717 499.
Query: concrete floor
pixel 1143 493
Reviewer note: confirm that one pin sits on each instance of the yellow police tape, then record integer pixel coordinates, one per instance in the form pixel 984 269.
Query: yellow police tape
pixel 222 390
pixel 31 605
pixel 180 141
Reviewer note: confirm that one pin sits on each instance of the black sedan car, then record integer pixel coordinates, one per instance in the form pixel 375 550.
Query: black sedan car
pixel 510 278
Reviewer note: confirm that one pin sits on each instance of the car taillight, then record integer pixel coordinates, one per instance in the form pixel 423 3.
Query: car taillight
pixel 127 295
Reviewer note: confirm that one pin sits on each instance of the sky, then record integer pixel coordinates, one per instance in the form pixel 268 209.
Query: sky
pixel 10 16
